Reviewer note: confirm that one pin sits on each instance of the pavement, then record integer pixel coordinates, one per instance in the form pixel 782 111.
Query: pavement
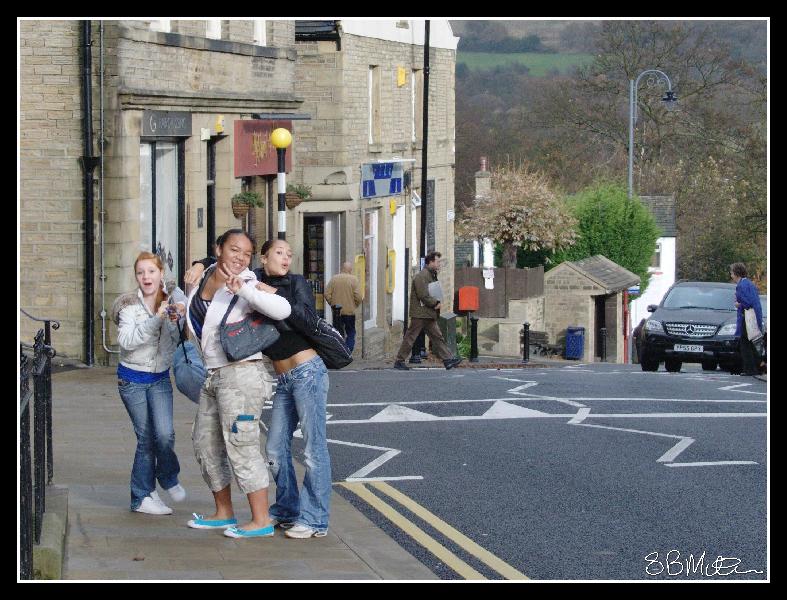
pixel 93 449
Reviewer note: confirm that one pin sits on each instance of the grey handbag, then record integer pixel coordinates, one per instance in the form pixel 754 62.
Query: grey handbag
pixel 249 336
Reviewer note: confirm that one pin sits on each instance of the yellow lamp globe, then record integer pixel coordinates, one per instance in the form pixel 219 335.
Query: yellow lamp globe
pixel 281 138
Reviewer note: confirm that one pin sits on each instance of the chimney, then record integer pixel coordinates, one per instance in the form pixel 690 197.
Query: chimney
pixel 483 181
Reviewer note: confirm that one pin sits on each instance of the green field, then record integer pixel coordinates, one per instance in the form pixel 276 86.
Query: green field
pixel 540 64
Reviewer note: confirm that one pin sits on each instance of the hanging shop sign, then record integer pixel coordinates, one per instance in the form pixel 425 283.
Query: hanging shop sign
pixel 254 153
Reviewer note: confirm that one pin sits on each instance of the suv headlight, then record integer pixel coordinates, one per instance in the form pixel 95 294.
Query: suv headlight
pixel 728 329
pixel 653 325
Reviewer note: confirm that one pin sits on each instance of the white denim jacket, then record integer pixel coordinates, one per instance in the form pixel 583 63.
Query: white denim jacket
pixel 249 300
pixel 146 341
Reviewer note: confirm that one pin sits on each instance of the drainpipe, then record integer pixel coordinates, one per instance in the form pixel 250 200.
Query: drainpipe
pixel 88 165
pixel 424 199
pixel 102 212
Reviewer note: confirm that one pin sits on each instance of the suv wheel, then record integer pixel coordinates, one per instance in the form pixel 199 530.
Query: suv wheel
pixel 648 364
pixel 709 365
pixel 673 366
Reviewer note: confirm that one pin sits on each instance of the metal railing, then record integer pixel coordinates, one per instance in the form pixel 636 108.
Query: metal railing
pixel 36 468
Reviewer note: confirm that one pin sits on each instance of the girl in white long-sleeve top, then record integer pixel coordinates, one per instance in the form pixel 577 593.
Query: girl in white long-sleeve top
pixel 227 427
pixel 148 335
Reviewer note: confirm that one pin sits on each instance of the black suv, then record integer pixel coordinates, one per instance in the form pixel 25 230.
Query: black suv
pixel 695 323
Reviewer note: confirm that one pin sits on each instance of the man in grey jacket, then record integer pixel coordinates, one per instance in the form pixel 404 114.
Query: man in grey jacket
pixel 423 316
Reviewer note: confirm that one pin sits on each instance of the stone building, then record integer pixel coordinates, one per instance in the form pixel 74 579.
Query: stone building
pixel 361 82
pixel 181 115
pixel 165 98
pixel 588 293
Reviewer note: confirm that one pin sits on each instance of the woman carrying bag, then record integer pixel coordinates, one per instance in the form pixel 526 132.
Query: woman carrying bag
pixel 226 428
pixel 746 297
pixel 301 397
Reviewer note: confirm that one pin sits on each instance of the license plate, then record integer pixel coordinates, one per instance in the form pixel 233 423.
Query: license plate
pixel 686 348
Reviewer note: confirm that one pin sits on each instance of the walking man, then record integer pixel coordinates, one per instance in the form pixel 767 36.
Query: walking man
pixel 423 316
pixel 343 289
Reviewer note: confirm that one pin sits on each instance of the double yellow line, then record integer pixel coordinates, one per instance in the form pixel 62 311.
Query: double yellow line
pixel 428 542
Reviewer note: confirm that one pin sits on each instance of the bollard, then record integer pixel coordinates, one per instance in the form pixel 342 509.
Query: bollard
pixel 603 333
pixel 526 342
pixel 473 339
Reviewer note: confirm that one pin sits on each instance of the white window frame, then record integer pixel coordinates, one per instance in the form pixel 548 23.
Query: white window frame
pixel 163 25
pixel 260 32
pixel 213 29
pixel 371 264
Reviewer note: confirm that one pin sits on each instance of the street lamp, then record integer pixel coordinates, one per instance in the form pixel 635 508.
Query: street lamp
pixel 669 99
pixel 281 139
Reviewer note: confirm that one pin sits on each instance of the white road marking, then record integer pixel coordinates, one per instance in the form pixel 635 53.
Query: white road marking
pixel 732 388
pixel 581 415
pixel 395 414
pixel 668 456
pixel 504 410
pixel 673 452
pixel 405 478
pixel 389 453
pixel 713 464
pixel 539 397
pixel 540 415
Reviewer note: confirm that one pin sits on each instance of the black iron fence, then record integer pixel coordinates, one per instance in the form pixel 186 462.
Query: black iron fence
pixel 36 460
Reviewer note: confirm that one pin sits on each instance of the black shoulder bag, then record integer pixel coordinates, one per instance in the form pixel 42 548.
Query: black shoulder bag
pixel 249 336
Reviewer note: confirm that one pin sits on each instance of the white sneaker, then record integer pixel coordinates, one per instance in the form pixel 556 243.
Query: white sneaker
pixel 157 498
pixel 303 532
pixel 177 493
pixel 153 506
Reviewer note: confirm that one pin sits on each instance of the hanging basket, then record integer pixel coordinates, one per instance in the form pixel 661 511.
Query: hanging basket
pixel 240 210
pixel 292 200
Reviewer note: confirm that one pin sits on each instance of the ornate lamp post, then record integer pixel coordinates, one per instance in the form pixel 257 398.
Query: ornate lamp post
pixel 669 99
pixel 281 139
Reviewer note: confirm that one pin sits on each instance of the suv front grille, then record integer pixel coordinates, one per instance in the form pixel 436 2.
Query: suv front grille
pixel 691 330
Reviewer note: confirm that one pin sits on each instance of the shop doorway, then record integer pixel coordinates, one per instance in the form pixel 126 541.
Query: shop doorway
pixel 321 256
pixel 162 204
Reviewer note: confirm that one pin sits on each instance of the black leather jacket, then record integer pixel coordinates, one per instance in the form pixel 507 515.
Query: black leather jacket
pixel 298 293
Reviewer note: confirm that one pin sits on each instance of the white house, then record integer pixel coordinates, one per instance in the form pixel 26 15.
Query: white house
pixel 663 266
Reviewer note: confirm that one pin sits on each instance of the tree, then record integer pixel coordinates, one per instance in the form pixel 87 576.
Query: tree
pixel 611 224
pixel 580 124
pixel 522 211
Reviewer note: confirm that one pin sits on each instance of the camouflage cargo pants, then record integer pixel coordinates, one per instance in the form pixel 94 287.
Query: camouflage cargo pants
pixel 226 431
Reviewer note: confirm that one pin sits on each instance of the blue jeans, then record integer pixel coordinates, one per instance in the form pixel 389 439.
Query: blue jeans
pixel 301 395
pixel 150 407
pixel 349 331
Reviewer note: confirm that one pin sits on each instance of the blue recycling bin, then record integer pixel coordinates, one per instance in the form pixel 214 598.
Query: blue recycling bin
pixel 575 342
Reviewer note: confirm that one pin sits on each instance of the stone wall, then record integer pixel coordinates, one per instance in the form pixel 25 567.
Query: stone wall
pixel 569 303
pixel 51 235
